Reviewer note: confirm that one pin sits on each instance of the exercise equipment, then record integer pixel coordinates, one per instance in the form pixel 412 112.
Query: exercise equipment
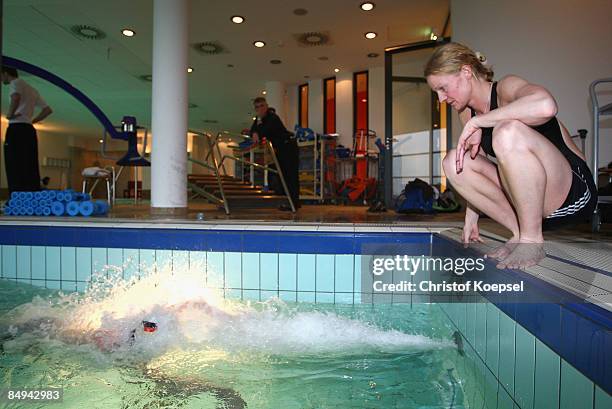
pixel 66 202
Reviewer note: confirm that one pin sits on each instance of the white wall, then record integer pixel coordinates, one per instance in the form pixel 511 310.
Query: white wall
pixel 344 108
pixel 315 105
pixel 292 107
pixel 562 45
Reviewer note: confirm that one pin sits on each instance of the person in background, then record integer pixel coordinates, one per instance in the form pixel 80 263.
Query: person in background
pixel 21 144
pixel 269 125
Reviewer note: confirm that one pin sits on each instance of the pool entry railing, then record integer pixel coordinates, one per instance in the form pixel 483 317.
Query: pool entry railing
pixel 234 192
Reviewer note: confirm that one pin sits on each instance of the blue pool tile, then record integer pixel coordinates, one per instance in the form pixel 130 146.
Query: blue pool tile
pixel 304 296
pixel 470 325
pixel 480 332
pixel 115 258
pixel 357 276
pixel 189 240
pixel 24 265
pixel 251 272
pixel 602 399
pixel 131 261
pixel 251 295
pixel 506 351
pixel 83 263
pixel 69 286
pixel 344 272
pixel 524 367
pixel 268 263
pixel 233 269
pixel 266 295
pixel 504 401
pixel 260 242
pixel 224 241
pixel 492 353
pixel 163 260
pixel 146 258
pixel 298 243
pixel 197 262
pixel 593 352
pixel 287 270
pixel 335 243
pixel 233 294
pixel 325 298
pixel 306 272
pixel 68 264
pixel 215 267
pixel 99 260
pixel 180 260
pixel 9 261
pixel 576 390
pixel 81 287
pixel 343 298
pixel 547 373
pixel 324 272
pixel 491 389
pixel 38 262
pixel 288 296
pixel 461 316
pixel 53 263
pixel 53 284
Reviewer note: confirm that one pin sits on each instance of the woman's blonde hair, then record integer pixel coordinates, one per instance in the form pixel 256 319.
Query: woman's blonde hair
pixel 449 59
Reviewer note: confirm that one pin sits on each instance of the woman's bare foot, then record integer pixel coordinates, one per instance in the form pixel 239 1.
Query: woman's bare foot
pixel 501 252
pixel 526 253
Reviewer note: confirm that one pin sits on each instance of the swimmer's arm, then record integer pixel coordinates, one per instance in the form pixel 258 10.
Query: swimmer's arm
pixel 529 103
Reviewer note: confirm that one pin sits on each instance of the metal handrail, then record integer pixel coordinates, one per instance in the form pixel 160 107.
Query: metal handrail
pixel 267 145
pixel 595 104
pixel 215 170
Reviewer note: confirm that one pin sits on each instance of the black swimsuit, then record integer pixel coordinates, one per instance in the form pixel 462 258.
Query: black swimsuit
pixel 582 198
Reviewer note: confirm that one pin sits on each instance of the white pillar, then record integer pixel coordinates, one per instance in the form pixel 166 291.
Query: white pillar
pixel 169 112
pixel 275 95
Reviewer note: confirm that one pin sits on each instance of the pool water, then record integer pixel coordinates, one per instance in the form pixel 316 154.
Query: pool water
pixel 227 354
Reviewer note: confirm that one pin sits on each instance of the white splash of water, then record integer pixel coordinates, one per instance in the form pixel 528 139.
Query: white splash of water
pixel 189 314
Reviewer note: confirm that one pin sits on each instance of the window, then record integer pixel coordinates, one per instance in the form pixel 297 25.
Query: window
pixel 303 106
pixel 329 109
pixel 360 100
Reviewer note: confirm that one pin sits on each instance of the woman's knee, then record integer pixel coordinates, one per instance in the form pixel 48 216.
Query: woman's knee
pixel 509 136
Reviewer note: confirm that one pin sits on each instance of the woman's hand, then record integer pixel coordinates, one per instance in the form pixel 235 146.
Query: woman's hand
pixel 469 140
pixel 470 232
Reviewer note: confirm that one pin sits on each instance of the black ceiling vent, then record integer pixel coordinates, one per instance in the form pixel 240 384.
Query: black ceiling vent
pixel 209 48
pixel 313 39
pixel 88 32
pixel 192 105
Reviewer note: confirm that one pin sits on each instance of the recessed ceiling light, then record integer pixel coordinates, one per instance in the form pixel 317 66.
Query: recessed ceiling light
pixel 101 141
pixel 128 32
pixel 264 92
pixel 237 19
pixel 336 69
pixel 259 44
pixel 306 76
pixel 254 118
pixel 433 36
pixel 323 58
pixel 230 65
pixel 370 35
pixel 372 55
pixel 300 12
pixel 367 6
pixel 275 62
pixel 189 70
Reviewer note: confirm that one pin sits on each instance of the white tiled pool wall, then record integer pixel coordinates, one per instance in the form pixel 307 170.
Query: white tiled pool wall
pixel 515 367
pixel 325 278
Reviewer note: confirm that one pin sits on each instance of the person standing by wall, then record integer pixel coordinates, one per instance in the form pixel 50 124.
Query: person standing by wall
pixel 21 144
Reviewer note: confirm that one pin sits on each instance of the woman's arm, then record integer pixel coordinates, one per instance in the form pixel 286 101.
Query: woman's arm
pixel 529 103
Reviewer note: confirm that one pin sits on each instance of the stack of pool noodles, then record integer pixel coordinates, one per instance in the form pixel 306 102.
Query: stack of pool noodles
pixel 54 203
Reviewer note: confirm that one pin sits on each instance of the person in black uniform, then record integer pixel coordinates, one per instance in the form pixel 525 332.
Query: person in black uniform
pixel 539 179
pixel 21 143
pixel 268 125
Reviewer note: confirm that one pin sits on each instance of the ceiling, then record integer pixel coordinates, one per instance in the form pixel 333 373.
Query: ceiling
pixel 109 70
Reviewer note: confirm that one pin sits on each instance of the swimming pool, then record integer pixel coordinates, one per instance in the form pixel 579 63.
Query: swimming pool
pixel 342 346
